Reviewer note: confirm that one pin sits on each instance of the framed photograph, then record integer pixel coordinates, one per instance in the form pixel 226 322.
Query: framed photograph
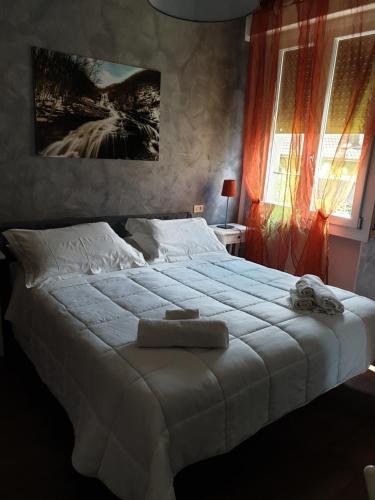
pixel 88 108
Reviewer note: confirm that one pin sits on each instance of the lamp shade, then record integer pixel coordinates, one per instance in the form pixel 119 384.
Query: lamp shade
pixel 229 188
pixel 206 10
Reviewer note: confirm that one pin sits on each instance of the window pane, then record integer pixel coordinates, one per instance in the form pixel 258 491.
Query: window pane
pixel 279 180
pixel 353 57
pixel 339 153
pixel 282 177
pixel 287 94
pixel 345 177
pixel 337 170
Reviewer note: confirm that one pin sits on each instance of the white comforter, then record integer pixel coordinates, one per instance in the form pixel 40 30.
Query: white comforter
pixel 141 415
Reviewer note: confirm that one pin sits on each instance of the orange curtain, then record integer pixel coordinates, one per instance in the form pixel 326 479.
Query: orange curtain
pixel 293 190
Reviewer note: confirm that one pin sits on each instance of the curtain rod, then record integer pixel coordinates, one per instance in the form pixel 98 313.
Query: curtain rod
pixel 332 15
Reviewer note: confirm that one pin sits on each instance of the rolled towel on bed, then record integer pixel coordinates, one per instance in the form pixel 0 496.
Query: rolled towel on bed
pixel 181 314
pixel 304 287
pixel 182 333
pixel 325 299
pixel 301 303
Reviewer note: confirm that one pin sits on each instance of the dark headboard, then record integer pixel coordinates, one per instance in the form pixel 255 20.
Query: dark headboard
pixel 117 222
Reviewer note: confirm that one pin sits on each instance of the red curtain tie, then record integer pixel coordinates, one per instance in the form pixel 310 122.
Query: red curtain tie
pixel 322 215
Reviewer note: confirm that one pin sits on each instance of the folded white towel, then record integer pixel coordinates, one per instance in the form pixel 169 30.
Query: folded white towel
pixel 182 313
pixel 301 303
pixel 304 287
pixel 183 333
pixel 325 299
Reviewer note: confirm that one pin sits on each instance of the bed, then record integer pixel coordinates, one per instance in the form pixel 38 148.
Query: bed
pixel 141 415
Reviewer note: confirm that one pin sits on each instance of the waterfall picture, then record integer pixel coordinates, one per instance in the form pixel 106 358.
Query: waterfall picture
pixel 88 108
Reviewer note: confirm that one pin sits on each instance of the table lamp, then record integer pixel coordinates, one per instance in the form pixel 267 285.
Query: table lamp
pixel 229 190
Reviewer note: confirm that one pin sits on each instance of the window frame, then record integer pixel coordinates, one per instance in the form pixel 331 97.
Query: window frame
pixel 354 221
pixel 274 120
pixel 354 227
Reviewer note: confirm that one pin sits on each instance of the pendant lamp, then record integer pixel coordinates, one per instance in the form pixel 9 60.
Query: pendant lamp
pixel 206 10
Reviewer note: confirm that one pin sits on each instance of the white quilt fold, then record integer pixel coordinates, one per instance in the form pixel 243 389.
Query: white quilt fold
pixel 182 333
pixel 301 303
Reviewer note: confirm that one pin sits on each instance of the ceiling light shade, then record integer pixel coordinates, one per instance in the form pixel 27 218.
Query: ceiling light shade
pixel 206 10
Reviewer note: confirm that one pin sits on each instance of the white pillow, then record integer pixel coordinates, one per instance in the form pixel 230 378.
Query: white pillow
pixel 169 240
pixel 83 249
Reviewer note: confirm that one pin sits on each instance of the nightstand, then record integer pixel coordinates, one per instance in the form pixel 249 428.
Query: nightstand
pixel 231 238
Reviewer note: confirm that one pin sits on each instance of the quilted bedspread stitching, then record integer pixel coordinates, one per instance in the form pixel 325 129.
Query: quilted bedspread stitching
pixel 209 271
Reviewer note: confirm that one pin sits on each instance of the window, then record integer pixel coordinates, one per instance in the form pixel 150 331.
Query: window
pixel 338 153
pixel 343 72
pixel 280 177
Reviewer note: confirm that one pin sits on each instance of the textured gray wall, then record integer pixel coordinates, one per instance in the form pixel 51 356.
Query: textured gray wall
pixel 366 270
pixel 366 267
pixel 203 69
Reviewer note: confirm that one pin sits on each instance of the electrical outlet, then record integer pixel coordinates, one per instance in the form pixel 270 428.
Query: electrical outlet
pixel 198 209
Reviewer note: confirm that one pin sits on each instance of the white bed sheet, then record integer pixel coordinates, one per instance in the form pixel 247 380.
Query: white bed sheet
pixel 141 415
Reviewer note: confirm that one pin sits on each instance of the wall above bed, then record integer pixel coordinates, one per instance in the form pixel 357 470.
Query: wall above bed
pixel 203 70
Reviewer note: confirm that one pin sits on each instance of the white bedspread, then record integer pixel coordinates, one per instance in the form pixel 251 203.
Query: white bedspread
pixel 141 415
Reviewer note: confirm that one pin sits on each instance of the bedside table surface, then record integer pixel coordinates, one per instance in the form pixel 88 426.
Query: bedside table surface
pixel 231 238
pixel 238 228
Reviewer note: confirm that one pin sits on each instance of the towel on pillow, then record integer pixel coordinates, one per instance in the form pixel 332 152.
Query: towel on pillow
pixel 182 333
pixel 182 313
pixel 301 303
pixel 325 299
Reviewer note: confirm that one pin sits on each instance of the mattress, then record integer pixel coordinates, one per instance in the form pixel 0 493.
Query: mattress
pixel 141 415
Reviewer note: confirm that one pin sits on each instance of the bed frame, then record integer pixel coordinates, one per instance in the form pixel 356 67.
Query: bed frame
pixel 117 223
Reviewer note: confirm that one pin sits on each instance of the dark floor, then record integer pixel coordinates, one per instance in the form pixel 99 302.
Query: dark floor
pixel 315 453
